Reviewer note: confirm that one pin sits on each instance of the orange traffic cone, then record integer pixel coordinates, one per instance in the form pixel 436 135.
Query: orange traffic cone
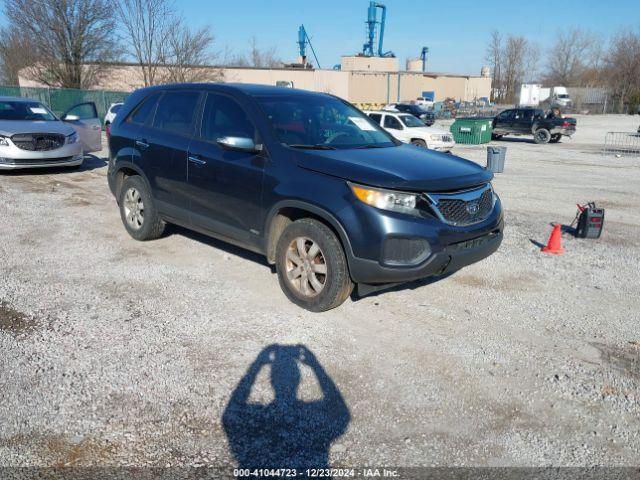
pixel 554 245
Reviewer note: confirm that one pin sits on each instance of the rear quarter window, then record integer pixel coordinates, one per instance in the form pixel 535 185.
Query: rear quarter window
pixel 143 112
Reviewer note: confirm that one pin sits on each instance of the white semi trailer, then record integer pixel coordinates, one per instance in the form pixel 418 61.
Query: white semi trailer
pixel 532 95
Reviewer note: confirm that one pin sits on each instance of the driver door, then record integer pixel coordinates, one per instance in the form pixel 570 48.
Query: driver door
pixel 225 186
pixel 84 119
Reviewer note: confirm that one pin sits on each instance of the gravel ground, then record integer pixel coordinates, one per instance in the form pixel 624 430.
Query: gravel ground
pixel 184 351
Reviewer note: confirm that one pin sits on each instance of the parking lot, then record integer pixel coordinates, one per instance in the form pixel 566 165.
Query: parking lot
pixel 116 352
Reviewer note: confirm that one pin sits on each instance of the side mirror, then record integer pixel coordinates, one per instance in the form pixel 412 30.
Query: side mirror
pixel 240 144
pixel 70 118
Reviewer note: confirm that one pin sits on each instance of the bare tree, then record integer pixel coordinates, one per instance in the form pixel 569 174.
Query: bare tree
pixel 145 24
pixel 532 62
pixel 494 58
pixel 570 56
pixel 71 38
pixel 187 52
pixel 515 52
pixel 623 67
pixel 512 62
pixel 256 57
pixel 16 52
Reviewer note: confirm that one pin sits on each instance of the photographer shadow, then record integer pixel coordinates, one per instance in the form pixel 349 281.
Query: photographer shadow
pixel 287 432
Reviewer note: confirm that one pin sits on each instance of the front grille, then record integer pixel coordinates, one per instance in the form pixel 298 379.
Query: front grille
pixel 463 208
pixel 38 142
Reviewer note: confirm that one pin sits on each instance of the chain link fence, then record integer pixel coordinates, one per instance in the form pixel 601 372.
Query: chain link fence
pixel 62 99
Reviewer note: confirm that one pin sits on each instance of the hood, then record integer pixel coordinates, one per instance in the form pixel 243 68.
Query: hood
pixel 404 167
pixel 11 127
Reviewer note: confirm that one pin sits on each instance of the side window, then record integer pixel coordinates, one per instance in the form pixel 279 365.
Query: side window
pixel 376 117
pixel 84 111
pixel 392 122
pixel 518 114
pixel 505 115
pixel 528 114
pixel 176 111
pixel 144 111
pixel 223 117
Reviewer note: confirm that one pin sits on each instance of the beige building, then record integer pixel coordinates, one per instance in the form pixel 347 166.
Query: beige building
pixel 369 81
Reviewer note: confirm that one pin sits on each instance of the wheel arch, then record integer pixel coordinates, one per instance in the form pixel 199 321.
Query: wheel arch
pixel 125 170
pixel 287 211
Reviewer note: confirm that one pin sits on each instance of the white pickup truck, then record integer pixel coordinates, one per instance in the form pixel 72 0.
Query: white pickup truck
pixel 409 129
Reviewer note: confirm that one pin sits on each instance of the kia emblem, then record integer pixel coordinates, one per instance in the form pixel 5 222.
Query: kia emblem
pixel 473 208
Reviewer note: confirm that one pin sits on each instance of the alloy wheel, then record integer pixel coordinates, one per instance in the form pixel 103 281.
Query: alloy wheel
pixel 306 267
pixel 133 208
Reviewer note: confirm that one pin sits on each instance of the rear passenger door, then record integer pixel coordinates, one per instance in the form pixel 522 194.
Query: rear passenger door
pixel 522 121
pixel 225 185
pixel 162 144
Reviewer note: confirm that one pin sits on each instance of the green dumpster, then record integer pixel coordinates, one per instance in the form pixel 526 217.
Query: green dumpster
pixel 472 131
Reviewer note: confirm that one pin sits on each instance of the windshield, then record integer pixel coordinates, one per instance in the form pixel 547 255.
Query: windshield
pixel 321 122
pixel 16 110
pixel 563 95
pixel 410 121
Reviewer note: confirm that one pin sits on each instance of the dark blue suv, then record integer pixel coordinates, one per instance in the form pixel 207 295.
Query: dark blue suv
pixel 305 179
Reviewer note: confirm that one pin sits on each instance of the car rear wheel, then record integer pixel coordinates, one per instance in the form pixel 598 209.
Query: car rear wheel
pixel 312 267
pixel 542 135
pixel 419 143
pixel 138 212
pixel 495 136
pixel 555 138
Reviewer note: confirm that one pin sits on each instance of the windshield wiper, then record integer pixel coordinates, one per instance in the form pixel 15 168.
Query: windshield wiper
pixel 317 146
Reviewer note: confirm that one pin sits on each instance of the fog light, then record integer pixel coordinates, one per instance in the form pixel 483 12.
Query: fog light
pixel 405 251
pixel 5 160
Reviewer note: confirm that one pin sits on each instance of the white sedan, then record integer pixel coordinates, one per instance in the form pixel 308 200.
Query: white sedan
pixel 409 129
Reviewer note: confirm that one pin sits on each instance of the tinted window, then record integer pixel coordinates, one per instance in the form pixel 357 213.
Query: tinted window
pixel 84 111
pixel 376 117
pixel 392 122
pixel 143 113
pixel 223 117
pixel 18 110
pixel 175 112
pixel 505 115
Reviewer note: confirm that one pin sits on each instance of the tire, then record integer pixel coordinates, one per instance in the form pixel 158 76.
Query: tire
pixel 138 211
pixel 555 138
pixel 496 137
pixel 541 136
pixel 295 270
pixel 419 143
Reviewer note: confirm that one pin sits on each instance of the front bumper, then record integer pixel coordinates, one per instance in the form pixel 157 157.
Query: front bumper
pixel 441 146
pixel 14 158
pixel 451 247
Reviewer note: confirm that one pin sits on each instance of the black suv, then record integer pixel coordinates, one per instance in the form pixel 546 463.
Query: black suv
pixel 305 179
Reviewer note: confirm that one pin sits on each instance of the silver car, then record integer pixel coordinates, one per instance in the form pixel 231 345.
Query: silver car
pixel 31 136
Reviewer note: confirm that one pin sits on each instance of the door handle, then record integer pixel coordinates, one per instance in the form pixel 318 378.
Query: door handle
pixel 196 160
pixel 141 144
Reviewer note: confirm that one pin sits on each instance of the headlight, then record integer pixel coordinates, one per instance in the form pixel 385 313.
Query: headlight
pixel 436 138
pixel 386 199
pixel 73 138
pixel 4 142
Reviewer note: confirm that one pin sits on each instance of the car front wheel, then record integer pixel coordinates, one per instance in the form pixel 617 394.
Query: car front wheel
pixel 312 267
pixel 419 143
